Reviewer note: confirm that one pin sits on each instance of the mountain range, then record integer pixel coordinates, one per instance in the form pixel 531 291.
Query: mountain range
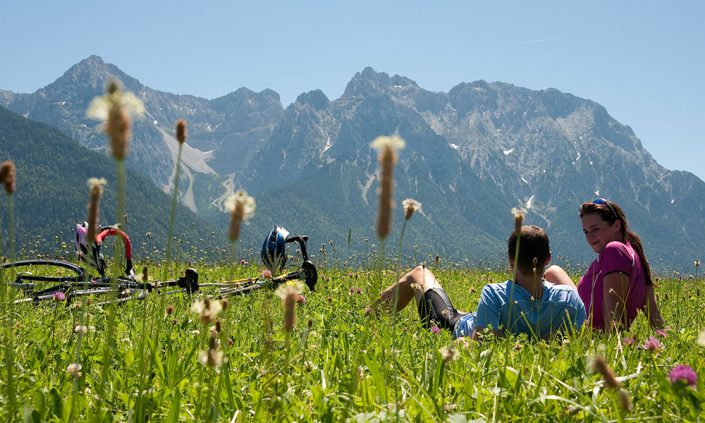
pixel 472 154
pixel 52 196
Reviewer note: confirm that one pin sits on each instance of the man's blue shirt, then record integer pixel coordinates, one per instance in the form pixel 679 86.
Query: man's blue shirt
pixel 559 308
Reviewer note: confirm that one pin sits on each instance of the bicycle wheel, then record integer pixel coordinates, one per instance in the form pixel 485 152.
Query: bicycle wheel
pixel 39 274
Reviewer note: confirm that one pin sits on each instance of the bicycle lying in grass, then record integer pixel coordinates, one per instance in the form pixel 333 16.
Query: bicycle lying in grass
pixel 45 279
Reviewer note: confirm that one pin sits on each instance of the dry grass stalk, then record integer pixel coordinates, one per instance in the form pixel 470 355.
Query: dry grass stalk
pixel 384 216
pixel 600 366
pixel 119 130
pixel 387 148
pixel 95 186
pixel 290 311
pixel 242 208
pixel 181 131
pixel 519 214
pixel 290 293
pixel 8 176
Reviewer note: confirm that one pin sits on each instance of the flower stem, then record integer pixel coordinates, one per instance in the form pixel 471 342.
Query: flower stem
pixel 172 213
pixel 11 225
pixel 401 238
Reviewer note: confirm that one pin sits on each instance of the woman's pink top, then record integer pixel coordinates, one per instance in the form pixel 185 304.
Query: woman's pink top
pixel 616 257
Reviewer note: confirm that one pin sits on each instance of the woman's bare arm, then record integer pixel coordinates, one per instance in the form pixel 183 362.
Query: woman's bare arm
pixel 614 299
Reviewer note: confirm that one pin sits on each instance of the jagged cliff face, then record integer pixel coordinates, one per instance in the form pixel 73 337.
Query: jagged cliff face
pixel 472 154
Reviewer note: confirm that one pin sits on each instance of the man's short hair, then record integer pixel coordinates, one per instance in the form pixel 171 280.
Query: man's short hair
pixel 533 249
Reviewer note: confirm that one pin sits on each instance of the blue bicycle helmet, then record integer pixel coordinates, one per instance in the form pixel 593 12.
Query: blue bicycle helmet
pixel 274 249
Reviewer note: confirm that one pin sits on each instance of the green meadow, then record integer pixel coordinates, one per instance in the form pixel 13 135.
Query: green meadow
pixel 336 364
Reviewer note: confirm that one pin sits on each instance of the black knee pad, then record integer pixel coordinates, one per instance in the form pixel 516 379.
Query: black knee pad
pixel 435 307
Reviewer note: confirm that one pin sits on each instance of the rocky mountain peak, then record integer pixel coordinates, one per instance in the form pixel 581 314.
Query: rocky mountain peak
pixel 245 101
pixel 369 82
pixel 316 99
pixel 88 78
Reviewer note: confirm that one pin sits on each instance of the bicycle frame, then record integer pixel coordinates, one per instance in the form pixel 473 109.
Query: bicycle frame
pixel 80 284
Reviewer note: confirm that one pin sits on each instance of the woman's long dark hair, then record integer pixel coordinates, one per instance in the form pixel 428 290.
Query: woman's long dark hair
pixel 610 211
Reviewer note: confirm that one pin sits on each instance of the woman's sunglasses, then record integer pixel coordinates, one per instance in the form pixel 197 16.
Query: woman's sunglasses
pixel 602 201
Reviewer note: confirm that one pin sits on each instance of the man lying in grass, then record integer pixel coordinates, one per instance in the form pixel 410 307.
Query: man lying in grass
pixel 528 304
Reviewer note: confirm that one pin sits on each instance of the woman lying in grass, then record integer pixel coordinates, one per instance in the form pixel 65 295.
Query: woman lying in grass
pixel 528 304
pixel 618 282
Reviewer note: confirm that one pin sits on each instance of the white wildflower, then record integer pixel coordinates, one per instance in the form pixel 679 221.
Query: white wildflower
pixel 395 142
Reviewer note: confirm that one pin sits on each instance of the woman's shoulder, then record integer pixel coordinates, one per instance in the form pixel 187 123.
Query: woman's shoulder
pixel 617 252
pixel 617 248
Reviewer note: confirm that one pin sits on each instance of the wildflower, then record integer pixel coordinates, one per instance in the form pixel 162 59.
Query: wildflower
pixel 662 333
pixel 211 357
pixel 701 338
pixel 295 287
pixel 696 263
pixel 181 131
pixel 394 143
pixel 448 353
pixel 267 274
pixel 410 206
pixel 74 369
pixel 80 329
pixel 169 309
pixel 628 342
pixel 243 262
pixel 8 176
pixel 115 108
pixel 145 274
pixel 59 296
pixel 242 208
pixel 387 148
pixel 519 214
pixel 207 310
pixel 653 344
pixel 435 329
pixel 360 372
pixel 682 374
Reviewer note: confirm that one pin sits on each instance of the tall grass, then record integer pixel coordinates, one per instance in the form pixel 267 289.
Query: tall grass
pixel 336 364
pixel 116 109
pixel 8 177
pixel 181 138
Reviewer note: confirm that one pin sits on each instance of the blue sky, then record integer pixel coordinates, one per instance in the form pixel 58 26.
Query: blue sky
pixel 643 60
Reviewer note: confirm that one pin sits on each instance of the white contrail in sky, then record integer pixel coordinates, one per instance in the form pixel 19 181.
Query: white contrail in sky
pixel 540 40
